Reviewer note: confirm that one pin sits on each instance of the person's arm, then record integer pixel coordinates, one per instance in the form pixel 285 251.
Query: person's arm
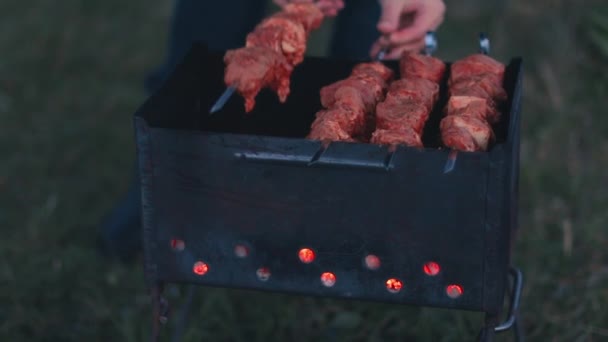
pixel 329 7
pixel 404 24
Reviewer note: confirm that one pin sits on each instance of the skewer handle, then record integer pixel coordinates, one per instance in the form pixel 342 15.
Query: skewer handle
pixel 484 44
pixel 430 43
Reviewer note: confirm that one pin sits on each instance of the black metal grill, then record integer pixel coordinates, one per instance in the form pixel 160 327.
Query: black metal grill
pixel 230 200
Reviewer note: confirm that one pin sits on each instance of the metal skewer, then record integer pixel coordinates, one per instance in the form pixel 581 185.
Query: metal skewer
pixel 221 101
pixel 430 43
pixel 484 48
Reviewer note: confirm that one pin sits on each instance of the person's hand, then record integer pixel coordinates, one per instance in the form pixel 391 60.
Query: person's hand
pixel 404 24
pixel 330 8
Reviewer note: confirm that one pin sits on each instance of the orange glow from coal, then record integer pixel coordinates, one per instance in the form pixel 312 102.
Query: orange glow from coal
pixel 328 279
pixel 200 268
pixel 431 268
pixel 394 285
pixel 306 255
pixel 454 291
pixel 177 244
pixel 372 262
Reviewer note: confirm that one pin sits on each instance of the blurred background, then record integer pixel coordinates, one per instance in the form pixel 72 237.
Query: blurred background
pixel 71 76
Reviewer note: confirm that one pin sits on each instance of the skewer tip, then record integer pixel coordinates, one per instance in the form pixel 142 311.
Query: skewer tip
pixel 221 101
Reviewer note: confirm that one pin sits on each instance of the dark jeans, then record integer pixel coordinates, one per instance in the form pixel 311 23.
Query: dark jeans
pixel 224 24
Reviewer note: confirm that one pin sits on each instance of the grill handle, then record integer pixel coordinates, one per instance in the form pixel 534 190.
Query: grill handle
pixel 323 158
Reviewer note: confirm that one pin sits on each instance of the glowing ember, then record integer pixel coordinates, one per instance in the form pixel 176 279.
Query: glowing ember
pixel 394 285
pixel 328 279
pixel 200 268
pixel 454 291
pixel 431 268
pixel 306 255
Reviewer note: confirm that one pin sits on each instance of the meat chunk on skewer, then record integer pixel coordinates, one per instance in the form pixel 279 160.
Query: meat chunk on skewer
pixel 282 35
pixel 401 117
pixel 253 68
pixel 271 51
pixel 457 131
pixel 416 65
pixel 417 89
pixel 350 104
pixel 404 136
pixel 476 65
pixel 476 92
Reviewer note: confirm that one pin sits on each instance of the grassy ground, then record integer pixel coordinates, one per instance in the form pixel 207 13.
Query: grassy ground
pixel 70 78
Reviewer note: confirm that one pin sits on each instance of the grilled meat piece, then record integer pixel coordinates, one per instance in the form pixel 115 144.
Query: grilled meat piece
pixel 416 65
pixel 250 69
pixel 487 86
pixel 473 106
pixel 457 132
pixel 403 136
pixel 417 89
pixel 329 131
pixel 395 115
pixel 282 35
pixel 271 51
pixel 475 65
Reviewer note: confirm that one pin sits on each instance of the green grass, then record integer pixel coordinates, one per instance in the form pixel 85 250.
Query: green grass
pixel 71 77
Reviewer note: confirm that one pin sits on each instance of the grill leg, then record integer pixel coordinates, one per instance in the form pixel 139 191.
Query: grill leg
pixel 512 321
pixel 488 332
pixel 160 310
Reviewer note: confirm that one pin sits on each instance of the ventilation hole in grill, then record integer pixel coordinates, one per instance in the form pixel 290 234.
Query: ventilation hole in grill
pixel 431 268
pixel 177 245
pixel 328 279
pixel 394 285
pixel 200 268
pixel 372 262
pixel 306 255
pixel 454 291
pixel 241 251
pixel 263 273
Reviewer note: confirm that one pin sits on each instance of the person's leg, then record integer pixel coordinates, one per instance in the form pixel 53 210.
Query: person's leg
pixel 355 30
pixel 222 25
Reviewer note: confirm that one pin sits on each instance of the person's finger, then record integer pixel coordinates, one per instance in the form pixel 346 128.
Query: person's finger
pixel 390 17
pixel 427 18
pixel 378 45
pixel 397 51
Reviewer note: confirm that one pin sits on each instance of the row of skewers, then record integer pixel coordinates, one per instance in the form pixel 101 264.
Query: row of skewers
pixel 370 105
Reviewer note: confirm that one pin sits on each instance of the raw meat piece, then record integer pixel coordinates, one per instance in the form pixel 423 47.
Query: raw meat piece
pixel 371 90
pixel 283 35
pixel 473 106
pixel 352 121
pixel 405 136
pixel 329 131
pixel 400 115
pixel 473 127
pixel 417 89
pixel 250 69
pixel 487 86
pixel 416 65
pixel 374 67
pixel 475 65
